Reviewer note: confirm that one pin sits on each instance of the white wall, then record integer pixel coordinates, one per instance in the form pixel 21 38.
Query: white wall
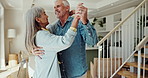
pixel 14 19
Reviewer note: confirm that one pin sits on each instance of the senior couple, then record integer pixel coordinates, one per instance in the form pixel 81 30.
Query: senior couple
pixel 60 47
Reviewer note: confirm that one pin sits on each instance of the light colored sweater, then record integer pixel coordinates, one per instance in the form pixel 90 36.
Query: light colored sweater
pixel 48 66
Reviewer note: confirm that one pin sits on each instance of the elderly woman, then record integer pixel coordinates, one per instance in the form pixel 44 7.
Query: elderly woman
pixel 38 35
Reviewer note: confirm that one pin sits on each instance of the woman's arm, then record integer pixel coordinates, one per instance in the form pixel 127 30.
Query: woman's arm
pixel 56 43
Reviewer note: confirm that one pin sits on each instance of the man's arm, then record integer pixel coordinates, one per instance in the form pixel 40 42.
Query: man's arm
pixel 86 29
pixel 88 33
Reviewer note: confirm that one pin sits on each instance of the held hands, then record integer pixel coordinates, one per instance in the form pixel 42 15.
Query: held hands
pixel 82 12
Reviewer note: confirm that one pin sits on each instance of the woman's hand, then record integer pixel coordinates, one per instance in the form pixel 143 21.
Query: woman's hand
pixel 76 20
pixel 37 51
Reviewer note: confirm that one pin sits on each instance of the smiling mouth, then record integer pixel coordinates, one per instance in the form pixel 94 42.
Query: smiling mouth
pixel 57 12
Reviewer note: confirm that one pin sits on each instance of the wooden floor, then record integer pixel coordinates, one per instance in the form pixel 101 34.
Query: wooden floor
pixel 88 74
pixel 22 74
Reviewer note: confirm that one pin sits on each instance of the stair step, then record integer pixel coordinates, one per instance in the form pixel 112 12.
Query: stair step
pixel 145 46
pixel 142 55
pixel 135 64
pixel 127 74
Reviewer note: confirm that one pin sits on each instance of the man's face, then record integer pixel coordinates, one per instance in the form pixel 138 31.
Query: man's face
pixel 60 9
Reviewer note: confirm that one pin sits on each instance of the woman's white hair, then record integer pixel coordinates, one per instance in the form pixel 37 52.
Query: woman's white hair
pixel 32 26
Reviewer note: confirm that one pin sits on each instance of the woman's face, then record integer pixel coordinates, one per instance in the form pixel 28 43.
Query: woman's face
pixel 43 20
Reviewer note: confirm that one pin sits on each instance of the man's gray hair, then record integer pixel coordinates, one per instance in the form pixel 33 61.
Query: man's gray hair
pixel 65 2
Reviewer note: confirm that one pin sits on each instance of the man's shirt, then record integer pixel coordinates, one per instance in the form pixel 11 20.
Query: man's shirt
pixel 73 59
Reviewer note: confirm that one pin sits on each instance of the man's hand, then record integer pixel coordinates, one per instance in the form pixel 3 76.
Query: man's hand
pixel 83 11
pixel 37 51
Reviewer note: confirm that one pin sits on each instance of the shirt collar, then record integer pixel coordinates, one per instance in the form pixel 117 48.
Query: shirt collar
pixel 69 19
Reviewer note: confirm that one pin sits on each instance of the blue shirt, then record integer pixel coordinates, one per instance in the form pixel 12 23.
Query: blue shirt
pixel 73 59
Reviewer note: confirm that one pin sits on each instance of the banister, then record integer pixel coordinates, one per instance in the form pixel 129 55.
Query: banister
pixel 142 43
pixel 119 25
pixel 138 47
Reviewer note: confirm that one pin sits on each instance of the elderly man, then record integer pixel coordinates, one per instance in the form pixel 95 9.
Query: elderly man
pixel 72 60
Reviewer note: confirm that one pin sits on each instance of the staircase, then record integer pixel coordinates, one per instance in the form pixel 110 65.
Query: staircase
pixel 128 74
pixel 129 59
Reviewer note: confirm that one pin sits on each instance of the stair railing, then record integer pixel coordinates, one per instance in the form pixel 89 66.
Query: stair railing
pixel 114 50
pixel 138 48
pixel 141 45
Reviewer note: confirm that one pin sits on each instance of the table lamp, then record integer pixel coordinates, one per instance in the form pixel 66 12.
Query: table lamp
pixel 11 35
pixel 13 58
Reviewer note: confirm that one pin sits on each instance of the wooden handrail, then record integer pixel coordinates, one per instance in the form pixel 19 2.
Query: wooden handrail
pixel 119 25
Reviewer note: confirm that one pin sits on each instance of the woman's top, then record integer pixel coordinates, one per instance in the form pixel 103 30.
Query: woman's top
pixel 48 66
